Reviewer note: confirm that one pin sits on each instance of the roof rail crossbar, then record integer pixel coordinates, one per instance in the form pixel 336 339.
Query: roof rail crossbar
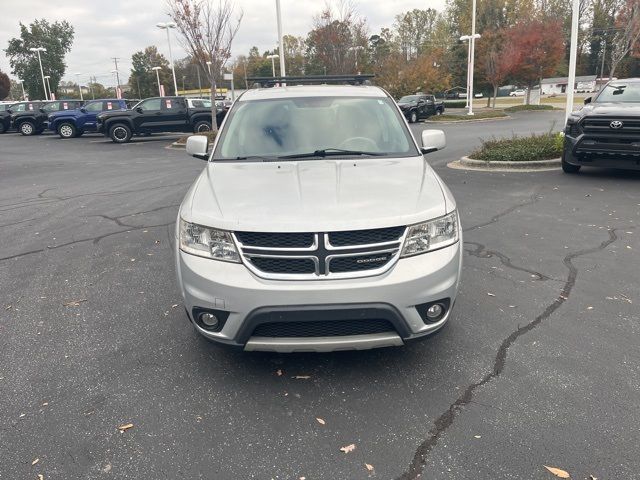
pixel 262 82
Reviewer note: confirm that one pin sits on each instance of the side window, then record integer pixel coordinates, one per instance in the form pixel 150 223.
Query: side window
pixel 94 107
pixel 52 107
pixel 151 104
pixel 172 104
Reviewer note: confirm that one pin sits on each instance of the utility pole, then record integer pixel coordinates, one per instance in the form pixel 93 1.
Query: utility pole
pixel 604 55
pixel 472 50
pixel 280 42
pixel 118 92
pixel 573 54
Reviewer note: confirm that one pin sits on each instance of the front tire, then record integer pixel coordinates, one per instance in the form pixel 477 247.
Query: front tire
pixel 568 167
pixel 202 126
pixel 67 130
pixel 120 133
pixel 27 128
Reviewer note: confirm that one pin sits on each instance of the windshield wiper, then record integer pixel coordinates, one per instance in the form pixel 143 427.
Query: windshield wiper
pixel 249 158
pixel 326 152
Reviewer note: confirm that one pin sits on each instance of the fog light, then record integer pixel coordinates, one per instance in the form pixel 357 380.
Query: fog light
pixel 209 320
pixel 435 311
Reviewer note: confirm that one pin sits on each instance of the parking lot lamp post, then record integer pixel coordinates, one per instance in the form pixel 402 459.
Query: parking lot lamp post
pixel 470 67
pixel 473 54
pixel 166 26
pixel 79 87
pixel 41 49
pixel 157 69
pixel 273 63
pixel 280 40
pixel 573 53
pixel 24 97
pixel 47 77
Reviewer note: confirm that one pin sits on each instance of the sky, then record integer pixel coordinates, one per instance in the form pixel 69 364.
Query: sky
pixel 118 28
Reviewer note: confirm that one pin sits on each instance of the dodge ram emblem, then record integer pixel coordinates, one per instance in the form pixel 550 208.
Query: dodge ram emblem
pixel 616 124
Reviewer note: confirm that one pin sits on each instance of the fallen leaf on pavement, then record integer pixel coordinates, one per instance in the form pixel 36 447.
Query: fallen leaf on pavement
pixel 477 436
pixel 558 472
pixel 35 461
pixel 301 377
pixel 491 294
pixel 279 372
pixel 124 428
pixel 174 305
pixel 369 467
pixel 321 421
pixel 40 476
pixel 74 303
pixel 348 448
pixel 591 477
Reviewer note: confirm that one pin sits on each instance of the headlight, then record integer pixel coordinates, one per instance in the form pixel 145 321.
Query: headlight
pixel 432 235
pixel 207 242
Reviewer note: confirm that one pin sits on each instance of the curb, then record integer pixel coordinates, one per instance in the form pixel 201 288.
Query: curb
pixel 444 122
pixel 466 163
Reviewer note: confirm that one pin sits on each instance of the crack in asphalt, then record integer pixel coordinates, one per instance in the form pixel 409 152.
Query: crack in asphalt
pixel 118 219
pixel 482 252
pixel 43 200
pixel 95 240
pixel 446 419
pixel 532 200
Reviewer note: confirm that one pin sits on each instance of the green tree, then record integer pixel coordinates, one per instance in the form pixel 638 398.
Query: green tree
pixel 143 81
pixel 5 85
pixel 56 38
pixel 15 92
pixel 413 29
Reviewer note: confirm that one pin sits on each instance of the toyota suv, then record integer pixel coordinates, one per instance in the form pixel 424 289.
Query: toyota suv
pixel 606 132
pixel 317 225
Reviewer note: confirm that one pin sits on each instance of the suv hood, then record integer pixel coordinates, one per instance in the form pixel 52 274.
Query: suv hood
pixel 315 195
pixel 626 109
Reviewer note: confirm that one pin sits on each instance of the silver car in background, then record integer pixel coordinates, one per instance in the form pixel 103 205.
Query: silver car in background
pixel 317 225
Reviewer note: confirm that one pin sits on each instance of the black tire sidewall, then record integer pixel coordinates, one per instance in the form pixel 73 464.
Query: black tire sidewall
pixel 112 130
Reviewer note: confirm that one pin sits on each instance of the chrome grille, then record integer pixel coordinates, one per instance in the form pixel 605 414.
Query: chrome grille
pixel 313 256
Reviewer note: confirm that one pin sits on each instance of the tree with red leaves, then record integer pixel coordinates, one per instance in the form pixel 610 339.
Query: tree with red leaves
pixel 537 49
pixel 496 60
pixel 627 38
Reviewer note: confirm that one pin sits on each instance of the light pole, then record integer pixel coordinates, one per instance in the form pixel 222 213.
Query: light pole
pixel 280 42
pixel 166 26
pixel 273 63
pixel 24 96
pixel 47 77
pixel 573 54
pixel 467 38
pixel 41 49
pixel 157 69
pixel 473 55
pixel 79 86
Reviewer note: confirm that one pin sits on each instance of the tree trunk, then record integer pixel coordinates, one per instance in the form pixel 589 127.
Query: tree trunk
pixel 495 95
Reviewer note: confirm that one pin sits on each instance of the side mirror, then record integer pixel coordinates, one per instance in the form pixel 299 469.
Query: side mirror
pixel 433 140
pixel 587 100
pixel 139 110
pixel 83 110
pixel 198 146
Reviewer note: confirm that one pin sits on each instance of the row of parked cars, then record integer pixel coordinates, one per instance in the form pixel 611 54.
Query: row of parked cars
pixel 119 119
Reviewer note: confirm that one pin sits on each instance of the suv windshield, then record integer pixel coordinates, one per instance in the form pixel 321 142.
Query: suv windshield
pixel 293 127
pixel 620 92
pixel 408 99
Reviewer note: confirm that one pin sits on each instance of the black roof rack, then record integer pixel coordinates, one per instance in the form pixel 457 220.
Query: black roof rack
pixel 266 82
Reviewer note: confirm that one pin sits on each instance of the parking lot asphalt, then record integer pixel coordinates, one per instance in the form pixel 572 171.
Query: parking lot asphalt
pixel 539 365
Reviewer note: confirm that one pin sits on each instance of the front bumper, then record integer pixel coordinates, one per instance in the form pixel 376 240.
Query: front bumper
pixel 231 287
pixel 603 150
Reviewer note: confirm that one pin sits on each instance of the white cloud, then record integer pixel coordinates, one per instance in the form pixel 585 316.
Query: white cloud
pixel 119 28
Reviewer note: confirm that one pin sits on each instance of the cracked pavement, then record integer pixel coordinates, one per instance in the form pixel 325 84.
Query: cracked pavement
pixel 539 364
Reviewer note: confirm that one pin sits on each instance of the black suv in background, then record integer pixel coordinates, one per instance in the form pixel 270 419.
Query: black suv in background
pixel 419 106
pixel 7 110
pixel 158 114
pixel 30 118
pixel 606 132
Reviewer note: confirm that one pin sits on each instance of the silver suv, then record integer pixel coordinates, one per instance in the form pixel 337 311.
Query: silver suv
pixel 317 225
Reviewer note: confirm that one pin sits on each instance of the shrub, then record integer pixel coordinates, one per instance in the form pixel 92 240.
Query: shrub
pixel 476 116
pixel 455 103
pixel 520 149
pixel 520 108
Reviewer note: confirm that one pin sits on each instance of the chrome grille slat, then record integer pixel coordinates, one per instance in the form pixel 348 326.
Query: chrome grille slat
pixel 267 259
